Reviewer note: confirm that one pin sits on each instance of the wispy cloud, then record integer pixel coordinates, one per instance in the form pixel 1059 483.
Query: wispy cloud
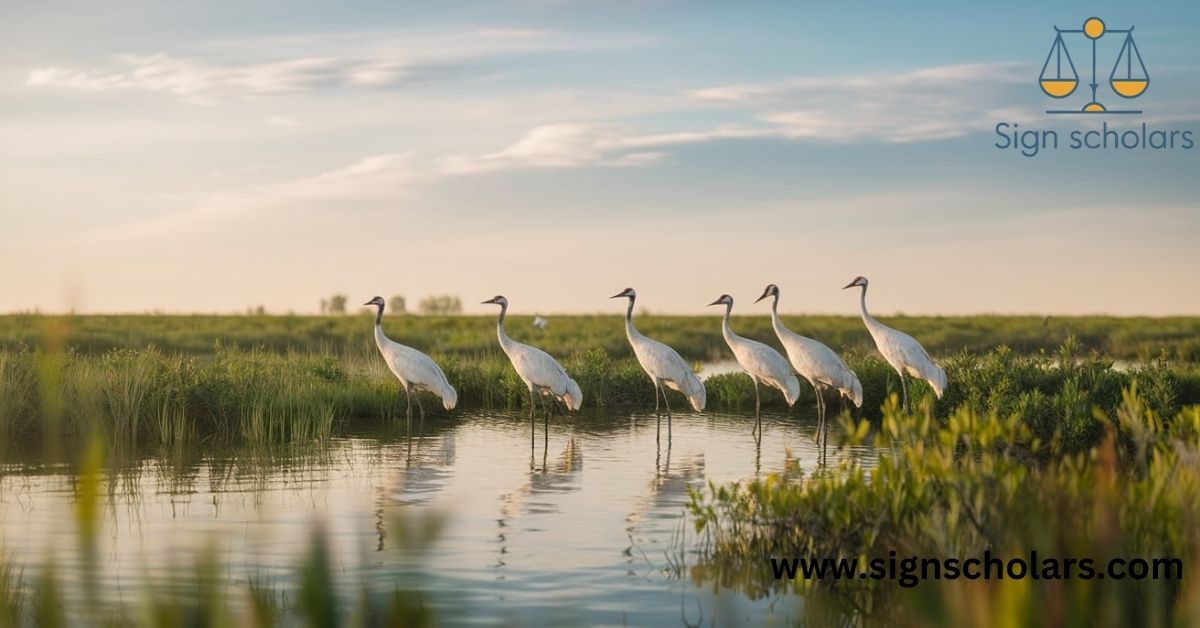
pixel 370 181
pixel 379 59
pixel 920 105
pixel 917 106
pixel 284 122
pixel 557 146
pixel 205 82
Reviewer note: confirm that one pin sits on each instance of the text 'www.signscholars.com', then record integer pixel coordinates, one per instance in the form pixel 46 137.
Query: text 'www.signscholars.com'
pixel 908 571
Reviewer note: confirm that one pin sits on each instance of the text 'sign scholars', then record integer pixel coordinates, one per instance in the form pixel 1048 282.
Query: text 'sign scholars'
pixel 1030 142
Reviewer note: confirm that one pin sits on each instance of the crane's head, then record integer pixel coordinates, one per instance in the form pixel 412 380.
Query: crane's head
pixel 858 281
pixel 628 292
pixel 724 299
pixel 498 300
pixel 772 290
pixel 375 301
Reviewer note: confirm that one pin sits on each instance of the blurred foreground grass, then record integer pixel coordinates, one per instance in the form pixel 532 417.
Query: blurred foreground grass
pixel 207 594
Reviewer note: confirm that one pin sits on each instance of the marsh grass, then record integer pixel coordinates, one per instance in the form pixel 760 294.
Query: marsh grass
pixel 11 595
pixel 695 337
pixel 969 483
pixel 135 397
pixel 18 393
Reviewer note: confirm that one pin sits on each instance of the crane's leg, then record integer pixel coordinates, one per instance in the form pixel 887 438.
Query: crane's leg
pixel 532 425
pixel 757 406
pixel 657 416
pixel 904 388
pixel 421 407
pixel 824 411
pixel 820 411
pixel 824 429
pixel 408 403
pixel 667 402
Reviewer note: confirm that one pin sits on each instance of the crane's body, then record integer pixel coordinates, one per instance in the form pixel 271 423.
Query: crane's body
pixel 415 370
pixel 901 351
pixel 540 372
pixel 762 363
pixel 664 365
pixel 814 361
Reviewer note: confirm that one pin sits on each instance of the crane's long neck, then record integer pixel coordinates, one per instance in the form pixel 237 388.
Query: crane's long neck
pixel 726 331
pixel 630 331
pixel 775 322
pixel 868 320
pixel 380 338
pixel 505 341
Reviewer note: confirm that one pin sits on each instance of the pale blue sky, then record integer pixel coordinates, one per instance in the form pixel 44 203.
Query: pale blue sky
pixel 216 156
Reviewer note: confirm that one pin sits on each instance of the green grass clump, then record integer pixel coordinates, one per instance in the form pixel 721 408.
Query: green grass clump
pixel 971 482
pixel 695 337
pixel 145 396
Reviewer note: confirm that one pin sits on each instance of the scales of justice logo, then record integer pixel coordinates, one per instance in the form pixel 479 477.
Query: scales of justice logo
pixel 1059 78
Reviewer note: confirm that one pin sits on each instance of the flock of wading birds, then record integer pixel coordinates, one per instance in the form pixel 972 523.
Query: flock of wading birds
pixel 814 361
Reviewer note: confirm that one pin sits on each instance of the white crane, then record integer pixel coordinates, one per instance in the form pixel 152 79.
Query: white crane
pixel 663 364
pixel 415 370
pixel 902 351
pixel 540 372
pixel 814 361
pixel 761 363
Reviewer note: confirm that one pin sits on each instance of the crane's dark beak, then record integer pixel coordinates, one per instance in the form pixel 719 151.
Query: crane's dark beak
pixel 765 294
pixel 369 303
pixel 491 301
pixel 717 302
pixel 617 296
pixel 850 285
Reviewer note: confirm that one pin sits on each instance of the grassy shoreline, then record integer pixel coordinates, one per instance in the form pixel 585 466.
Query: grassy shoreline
pixel 152 397
pixel 167 379
pixel 697 338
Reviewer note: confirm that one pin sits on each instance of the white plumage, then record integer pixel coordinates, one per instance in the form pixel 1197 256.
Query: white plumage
pixel 415 370
pixel 663 364
pixel 902 351
pixel 761 362
pixel 814 361
pixel 540 372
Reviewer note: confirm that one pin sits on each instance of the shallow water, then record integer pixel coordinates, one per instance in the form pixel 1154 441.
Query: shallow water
pixel 573 528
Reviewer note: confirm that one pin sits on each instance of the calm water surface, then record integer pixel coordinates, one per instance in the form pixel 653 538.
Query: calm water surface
pixel 576 529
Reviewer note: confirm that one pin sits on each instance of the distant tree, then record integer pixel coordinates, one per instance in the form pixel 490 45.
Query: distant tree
pixel 398 305
pixel 260 311
pixel 324 306
pixel 337 304
pixel 442 305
